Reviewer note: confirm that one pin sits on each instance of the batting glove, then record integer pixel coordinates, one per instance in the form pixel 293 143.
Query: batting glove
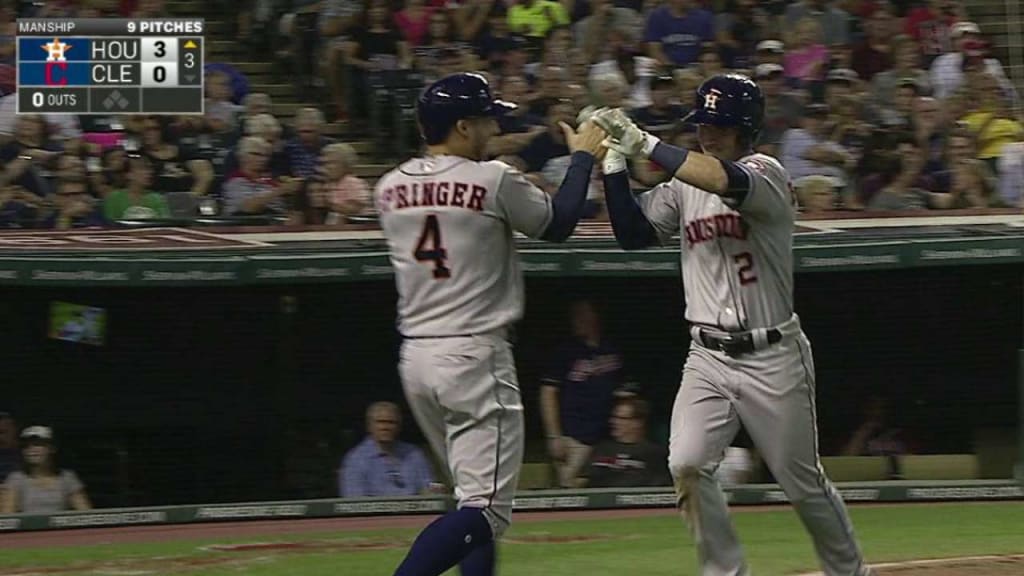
pixel 624 136
pixel 614 162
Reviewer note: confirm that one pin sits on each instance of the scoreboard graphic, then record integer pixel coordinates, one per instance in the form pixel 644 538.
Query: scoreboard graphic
pixel 110 66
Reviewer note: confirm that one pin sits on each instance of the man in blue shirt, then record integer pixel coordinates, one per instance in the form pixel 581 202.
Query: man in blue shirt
pixel 676 32
pixel 578 392
pixel 382 465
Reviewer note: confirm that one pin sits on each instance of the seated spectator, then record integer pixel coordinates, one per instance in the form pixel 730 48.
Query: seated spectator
pixel 628 459
pixel 252 190
pixel 606 28
pixel 440 35
pixel 72 204
pixel 991 120
pixel 807 57
pixel 112 173
pixel 136 201
pixel 739 29
pixel 41 487
pixel 905 188
pixel 218 97
pixel 874 54
pixel 609 90
pixel 966 182
pixel 269 129
pixel 578 393
pixel 375 46
pixel 548 144
pixel 383 465
pixel 930 132
pixel 906 70
pixel 663 117
pixel 877 435
pixel 770 52
pixel 947 71
pixel 303 151
pixel 28 156
pixel 534 18
pixel 676 32
pixel 929 25
pixel 807 151
pixel 782 108
pixel 816 195
pixel 709 62
pixel 832 22
pixel 547 90
pixel 345 193
pixel 8 447
pixel 175 169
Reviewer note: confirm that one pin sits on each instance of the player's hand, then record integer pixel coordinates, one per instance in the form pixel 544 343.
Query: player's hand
pixel 588 139
pixel 624 136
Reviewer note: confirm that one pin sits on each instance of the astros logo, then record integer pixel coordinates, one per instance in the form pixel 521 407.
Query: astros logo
pixel 711 99
pixel 56 50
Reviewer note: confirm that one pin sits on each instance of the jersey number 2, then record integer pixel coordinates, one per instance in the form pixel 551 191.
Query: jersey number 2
pixel 430 248
pixel 746 271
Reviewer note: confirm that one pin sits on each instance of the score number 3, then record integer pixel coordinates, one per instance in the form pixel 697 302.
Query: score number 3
pixel 746 267
pixel 430 248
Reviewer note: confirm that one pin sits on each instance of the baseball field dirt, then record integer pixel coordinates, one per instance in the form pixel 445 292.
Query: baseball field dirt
pixel 955 539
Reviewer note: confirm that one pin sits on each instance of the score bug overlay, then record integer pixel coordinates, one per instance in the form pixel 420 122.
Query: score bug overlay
pixel 110 66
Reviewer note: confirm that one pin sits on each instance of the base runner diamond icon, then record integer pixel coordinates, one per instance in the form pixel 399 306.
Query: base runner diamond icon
pixel 115 99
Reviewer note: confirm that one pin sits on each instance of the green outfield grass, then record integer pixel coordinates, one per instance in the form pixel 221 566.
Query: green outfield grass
pixel 650 546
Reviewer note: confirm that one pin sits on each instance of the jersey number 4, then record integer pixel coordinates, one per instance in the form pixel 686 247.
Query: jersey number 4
pixel 431 249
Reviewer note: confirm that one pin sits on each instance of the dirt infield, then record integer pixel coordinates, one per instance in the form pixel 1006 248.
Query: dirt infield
pixel 968 566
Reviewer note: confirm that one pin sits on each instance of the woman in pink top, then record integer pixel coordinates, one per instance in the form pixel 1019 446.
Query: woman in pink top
pixel 413 21
pixel 342 193
pixel 807 60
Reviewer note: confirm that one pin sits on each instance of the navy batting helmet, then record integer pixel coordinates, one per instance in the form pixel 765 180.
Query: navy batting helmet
pixel 454 98
pixel 729 100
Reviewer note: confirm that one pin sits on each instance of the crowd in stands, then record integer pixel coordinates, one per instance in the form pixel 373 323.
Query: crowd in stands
pixel 871 105
pixel 31 481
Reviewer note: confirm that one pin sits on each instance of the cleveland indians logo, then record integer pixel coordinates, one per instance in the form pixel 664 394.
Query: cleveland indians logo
pixel 711 99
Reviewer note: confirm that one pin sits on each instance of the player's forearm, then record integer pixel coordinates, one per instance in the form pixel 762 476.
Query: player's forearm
pixel 632 229
pixel 702 171
pixel 570 200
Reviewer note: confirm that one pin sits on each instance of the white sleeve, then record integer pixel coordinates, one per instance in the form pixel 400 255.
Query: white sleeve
pixel 524 206
pixel 661 207
pixel 770 194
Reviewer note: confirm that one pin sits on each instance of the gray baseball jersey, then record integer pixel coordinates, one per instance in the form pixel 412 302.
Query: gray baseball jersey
pixel 449 223
pixel 737 267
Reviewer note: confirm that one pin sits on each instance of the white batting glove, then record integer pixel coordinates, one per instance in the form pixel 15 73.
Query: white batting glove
pixel 587 114
pixel 623 135
pixel 614 162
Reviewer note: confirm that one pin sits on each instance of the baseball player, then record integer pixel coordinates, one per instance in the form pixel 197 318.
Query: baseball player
pixel 749 361
pixel 449 219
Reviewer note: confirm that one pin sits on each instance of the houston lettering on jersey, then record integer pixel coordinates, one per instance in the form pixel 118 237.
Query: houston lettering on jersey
pixel 711 227
pixel 429 194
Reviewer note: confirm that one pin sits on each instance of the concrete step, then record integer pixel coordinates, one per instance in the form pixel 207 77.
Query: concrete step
pixel 282 92
pixel 254 69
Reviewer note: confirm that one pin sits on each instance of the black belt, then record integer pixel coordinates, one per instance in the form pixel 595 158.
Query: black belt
pixel 736 343
pixel 509 335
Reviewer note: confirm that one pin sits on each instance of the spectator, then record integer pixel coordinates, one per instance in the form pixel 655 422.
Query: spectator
pixel 874 54
pixel 770 52
pixel 383 465
pixel 966 182
pixel 337 22
pixel 807 60
pixel 112 172
pixel 578 392
pixel 947 71
pixel 548 144
pixel 254 104
pixel 878 436
pixel 8 32
pixel 136 201
pixel 440 35
pixel 1011 175
pixel 781 110
pixel 807 151
pixel 609 90
pixel 72 204
pixel 175 169
pixel 344 193
pixel 990 120
pixel 676 32
pixel 413 21
pixel 555 52
pixel 663 117
pixel 628 459
pixel 8 447
pixel 304 149
pixel 218 97
pixel 534 18
pixel 833 23
pixel 606 29
pixel 376 46
pixel 252 190
pixel 41 487
pixel 930 26
pixel 906 67
pixel 739 29
pixel 29 155
pixel 709 62
pixel 478 22
pixel 906 188
pixel 929 132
